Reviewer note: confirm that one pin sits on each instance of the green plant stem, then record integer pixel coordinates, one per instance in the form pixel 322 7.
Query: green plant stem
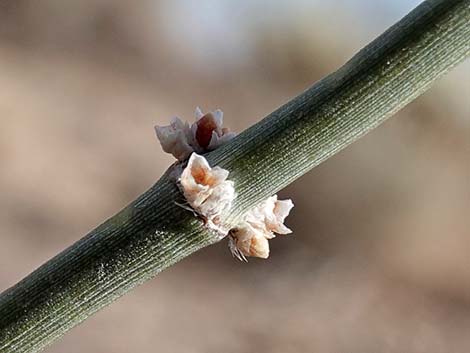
pixel 153 233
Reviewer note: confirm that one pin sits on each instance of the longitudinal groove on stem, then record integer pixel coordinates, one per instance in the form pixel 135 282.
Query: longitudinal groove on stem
pixel 153 233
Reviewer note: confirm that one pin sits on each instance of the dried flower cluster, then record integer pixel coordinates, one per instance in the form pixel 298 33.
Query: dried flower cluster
pixel 251 237
pixel 181 139
pixel 209 194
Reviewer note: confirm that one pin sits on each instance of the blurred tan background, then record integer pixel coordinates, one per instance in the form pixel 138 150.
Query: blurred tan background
pixel 380 256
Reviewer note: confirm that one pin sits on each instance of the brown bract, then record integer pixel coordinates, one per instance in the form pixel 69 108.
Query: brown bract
pixel 205 127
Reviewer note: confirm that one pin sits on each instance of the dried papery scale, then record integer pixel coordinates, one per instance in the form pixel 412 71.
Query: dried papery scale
pixel 260 224
pixel 247 241
pixel 176 138
pixel 269 216
pixel 207 190
pixel 206 134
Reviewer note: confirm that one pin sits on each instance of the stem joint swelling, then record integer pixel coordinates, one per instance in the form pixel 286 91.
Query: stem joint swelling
pixel 208 192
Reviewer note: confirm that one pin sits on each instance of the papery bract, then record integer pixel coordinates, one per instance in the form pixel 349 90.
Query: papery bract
pixel 175 138
pixel 206 189
pixel 206 134
pixel 269 216
pixel 250 238
pixel 248 241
